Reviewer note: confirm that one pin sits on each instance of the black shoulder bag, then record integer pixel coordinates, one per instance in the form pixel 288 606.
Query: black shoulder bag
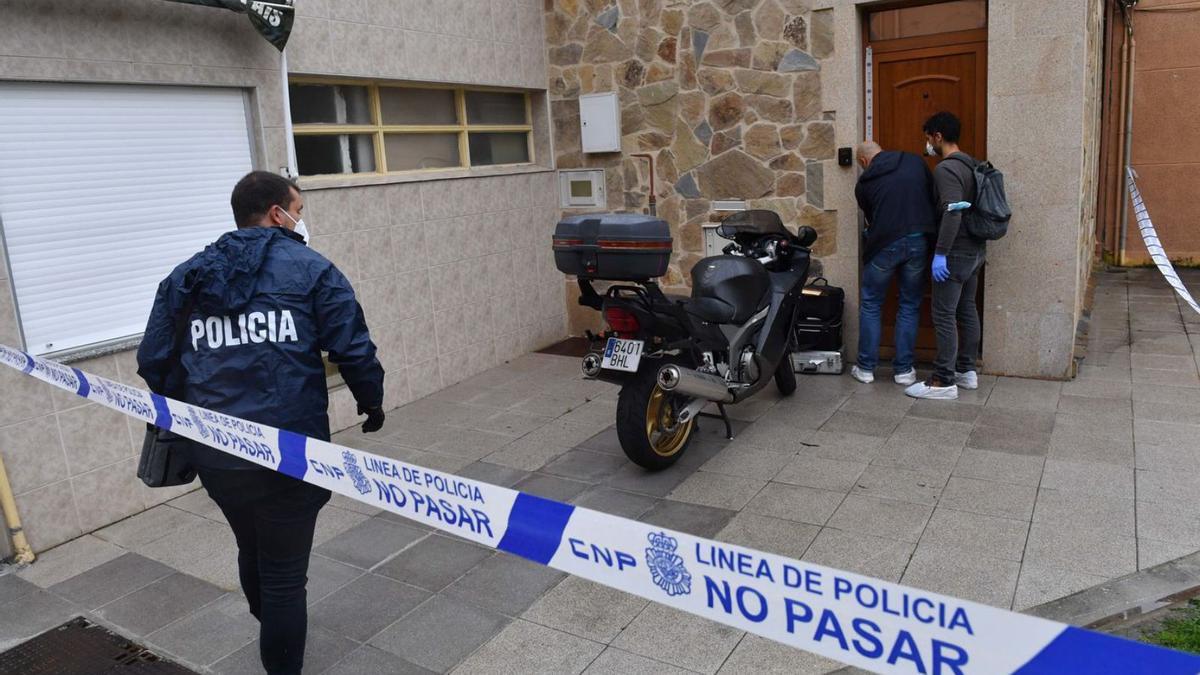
pixel 166 459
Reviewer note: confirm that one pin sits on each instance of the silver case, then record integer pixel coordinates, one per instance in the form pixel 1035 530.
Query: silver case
pixel 818 363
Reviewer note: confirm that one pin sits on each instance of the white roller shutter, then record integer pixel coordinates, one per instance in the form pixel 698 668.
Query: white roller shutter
pixel 103 190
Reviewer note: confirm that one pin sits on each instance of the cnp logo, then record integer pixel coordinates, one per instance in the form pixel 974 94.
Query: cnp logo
pixel 666 566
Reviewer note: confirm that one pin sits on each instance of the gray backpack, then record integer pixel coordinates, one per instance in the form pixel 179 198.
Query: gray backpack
pixel 989 213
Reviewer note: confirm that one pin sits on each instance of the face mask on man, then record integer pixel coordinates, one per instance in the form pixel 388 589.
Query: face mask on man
pixel 298 226
pixel 930 150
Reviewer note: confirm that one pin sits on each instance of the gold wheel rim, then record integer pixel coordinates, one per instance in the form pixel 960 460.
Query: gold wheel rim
pixel 664 440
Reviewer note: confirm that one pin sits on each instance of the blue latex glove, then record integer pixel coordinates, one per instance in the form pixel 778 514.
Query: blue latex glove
pixel 940 271
pixel 958 206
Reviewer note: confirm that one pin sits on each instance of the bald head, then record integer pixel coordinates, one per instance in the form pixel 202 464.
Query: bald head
pixel 867 151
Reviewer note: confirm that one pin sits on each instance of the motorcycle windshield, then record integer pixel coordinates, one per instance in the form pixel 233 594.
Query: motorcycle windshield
pixel 756 222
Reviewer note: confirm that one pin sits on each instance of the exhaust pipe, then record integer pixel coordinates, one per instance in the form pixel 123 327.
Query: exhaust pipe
pixel 694 383
pixel 591 365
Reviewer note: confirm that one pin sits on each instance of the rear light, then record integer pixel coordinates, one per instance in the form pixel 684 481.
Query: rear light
pixel 621 320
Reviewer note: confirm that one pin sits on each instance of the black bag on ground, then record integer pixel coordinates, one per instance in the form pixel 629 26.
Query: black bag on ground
pixel 166 459
pixel 989 214
pixel 819 317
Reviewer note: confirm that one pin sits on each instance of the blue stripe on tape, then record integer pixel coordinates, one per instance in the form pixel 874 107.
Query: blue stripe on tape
pixel 535 528
pixel 84 388
pixel 293 451
pixel 1076 650
pixel 162 413
pixel 28 364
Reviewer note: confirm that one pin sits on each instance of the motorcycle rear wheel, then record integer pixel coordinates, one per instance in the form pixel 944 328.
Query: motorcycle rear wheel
pixel 644 423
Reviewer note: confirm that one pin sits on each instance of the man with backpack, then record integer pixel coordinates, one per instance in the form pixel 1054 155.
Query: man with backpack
pixel 958 256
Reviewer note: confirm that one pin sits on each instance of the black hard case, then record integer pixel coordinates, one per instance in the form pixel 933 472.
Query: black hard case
pixel 819 317
pixel 613 246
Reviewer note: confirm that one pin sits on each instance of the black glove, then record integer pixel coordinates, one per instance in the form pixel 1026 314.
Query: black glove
pixel 374 419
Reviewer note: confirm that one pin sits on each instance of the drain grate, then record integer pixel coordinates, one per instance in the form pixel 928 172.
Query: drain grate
pixel 80 647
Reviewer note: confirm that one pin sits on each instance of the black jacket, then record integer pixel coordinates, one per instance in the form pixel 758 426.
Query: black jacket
pixel 896 193
pixel 263 308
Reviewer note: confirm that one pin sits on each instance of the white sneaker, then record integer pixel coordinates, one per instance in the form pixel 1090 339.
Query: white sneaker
pixel 967 380
pixel 926 390
pixel 907 378
pixel 864 376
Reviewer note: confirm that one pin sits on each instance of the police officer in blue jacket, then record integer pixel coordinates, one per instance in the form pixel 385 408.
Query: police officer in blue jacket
pixel 239 329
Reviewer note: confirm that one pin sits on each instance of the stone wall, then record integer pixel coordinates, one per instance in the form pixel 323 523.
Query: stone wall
pixel 724 94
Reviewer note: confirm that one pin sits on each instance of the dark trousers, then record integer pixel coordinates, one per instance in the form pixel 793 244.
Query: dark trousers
pixel 955 316
pixel 273 517
pixel 906 258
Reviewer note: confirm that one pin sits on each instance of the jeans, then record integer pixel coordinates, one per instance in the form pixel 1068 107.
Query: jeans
pixel 906 256
pixel 955 317
pixel 273 517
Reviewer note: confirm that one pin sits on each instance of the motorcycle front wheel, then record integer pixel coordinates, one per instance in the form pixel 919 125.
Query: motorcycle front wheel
pixel 645 422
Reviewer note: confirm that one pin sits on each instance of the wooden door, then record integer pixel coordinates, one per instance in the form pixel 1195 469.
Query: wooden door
pixel 913 78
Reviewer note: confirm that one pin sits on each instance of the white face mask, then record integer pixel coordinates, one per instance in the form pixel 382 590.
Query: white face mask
pixel 929 149
pixel 298 226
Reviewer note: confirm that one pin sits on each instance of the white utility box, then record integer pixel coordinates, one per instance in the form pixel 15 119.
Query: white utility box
pixel 600 122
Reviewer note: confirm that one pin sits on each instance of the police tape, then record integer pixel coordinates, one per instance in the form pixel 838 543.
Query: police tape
pixel 1150 236
pixel 877 625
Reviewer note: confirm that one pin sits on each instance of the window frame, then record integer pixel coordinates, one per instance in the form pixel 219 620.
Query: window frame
pixel 378 130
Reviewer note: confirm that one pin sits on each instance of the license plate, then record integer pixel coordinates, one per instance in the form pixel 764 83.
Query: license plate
pixel 622 355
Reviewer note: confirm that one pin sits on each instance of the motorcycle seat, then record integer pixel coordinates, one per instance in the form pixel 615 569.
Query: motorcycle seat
pixel 710 310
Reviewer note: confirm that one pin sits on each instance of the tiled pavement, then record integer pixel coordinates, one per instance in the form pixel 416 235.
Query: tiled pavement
pixel 1020 492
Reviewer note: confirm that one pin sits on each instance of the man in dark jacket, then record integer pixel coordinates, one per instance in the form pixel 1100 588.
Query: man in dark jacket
pixel 957 259
pixel 895 193
pixel 239 329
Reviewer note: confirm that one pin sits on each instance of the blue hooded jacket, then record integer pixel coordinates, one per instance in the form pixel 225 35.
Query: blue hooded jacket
pixel 896 194
pixel 261 307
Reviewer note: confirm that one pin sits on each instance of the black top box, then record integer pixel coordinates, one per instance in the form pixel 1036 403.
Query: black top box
pixel 613 246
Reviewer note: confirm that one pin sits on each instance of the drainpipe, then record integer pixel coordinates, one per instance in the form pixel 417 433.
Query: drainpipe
pixel 1128 56
pixel 23 554
pixel 288 138
pixel 653 200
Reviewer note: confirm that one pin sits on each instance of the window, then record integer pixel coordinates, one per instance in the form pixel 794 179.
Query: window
pixel 349 128
pixel 103 190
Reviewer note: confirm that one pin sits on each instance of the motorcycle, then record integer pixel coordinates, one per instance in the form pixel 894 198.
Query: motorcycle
pixel 672 356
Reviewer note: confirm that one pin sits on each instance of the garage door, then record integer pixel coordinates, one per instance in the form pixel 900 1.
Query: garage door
pixel 103 190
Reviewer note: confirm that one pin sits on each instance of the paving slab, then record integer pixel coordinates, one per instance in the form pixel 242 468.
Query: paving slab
pixel 681 639
pixel 969 576
pixel 704 521
pixel 755 655
pixel 613 661
pixel 439 634
pixel 368 660
pixel 975 534
pixel 717 490
pixel 773 535
pixel 371 542
pixel 321 650
pixel 504 584
pixel 365 606
pixel 524 647
pixel 209 635
pixel 807 470
pixel 797 503
pixel 147 609
pixel 616 502
pixel 434 562
pixel 586 609
pixel 881 517
pixel 112 580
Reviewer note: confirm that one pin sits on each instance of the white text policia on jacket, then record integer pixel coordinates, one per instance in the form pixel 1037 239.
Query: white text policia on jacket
pixel 252 328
